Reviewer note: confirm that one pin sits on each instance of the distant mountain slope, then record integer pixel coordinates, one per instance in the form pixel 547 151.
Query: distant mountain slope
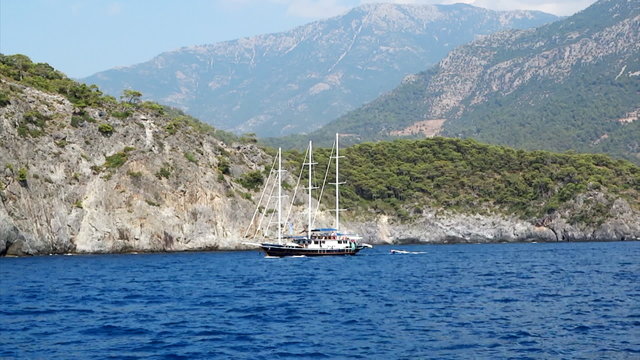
pixel 298 80
pixel 573 84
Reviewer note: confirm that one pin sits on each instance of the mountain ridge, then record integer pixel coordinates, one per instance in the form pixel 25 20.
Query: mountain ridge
pixel 295 81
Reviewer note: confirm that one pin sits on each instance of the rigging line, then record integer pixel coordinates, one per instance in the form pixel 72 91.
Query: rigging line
pixel 266 229
pixel 264 190
pixel 295 191
pixel 266 208
pixel 273 186
pixel 324 182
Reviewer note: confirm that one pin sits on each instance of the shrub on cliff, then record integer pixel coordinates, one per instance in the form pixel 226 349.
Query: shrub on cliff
pixel 115 161
pixel 121 114
pixel 192 158
pixel 80 118
pixel 22 175
pixel 149 105
pixel 224 166
pixel 19 68
pixel 252 180
pixel 165 171
pixel 32 124
pixel 44 77
pixel 4 99
pixel 105 129
pixel 118 159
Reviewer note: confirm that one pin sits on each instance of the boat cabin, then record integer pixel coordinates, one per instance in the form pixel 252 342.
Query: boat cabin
pixel 326 238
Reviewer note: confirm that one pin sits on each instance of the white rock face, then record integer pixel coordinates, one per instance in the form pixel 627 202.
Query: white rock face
pixel 71 202
pixel 475 72
pixel 456 228
pixel 436 226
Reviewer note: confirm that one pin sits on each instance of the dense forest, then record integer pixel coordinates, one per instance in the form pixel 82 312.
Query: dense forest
pixel 577 114
pixel 401 177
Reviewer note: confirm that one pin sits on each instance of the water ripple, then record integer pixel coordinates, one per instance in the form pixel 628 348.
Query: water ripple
pixel 525 301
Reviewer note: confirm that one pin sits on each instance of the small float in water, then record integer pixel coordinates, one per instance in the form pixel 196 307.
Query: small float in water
pixel 394 251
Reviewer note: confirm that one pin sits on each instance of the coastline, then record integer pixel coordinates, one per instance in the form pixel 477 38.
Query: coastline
pixel 398 242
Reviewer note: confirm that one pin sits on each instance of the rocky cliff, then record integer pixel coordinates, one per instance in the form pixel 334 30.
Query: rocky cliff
pixel 139 187
pixel 434 226
pixel 296 81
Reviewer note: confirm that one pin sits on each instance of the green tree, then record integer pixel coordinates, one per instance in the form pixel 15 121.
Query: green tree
pixel 22 63
pixel 131 96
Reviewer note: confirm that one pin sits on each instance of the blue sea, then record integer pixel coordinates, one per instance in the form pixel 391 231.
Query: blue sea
pixel 496 301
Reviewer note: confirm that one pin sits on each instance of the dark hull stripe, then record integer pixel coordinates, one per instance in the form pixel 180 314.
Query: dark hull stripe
pixel 278 251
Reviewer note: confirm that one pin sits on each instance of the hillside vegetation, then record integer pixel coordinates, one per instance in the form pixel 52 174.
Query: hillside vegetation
pixel 581 113
pixel 42 76
pixel 402 177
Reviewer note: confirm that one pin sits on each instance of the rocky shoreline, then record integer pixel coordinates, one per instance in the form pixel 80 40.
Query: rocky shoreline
pixel 15 251
pixel 453 229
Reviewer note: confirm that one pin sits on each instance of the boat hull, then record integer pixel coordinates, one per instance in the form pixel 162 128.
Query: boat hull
pixel 283 250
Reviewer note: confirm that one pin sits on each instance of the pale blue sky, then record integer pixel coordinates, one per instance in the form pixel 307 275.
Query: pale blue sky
pixel 82 37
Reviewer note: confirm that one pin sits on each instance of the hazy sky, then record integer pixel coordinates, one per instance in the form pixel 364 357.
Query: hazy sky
pixel 83 37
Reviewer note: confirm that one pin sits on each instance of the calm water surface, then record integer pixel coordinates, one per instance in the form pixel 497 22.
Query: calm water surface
pixel 540 301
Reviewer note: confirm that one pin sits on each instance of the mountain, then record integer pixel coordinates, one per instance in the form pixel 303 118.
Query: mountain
pixel 84 173
pixel 296 81
pixel 570 85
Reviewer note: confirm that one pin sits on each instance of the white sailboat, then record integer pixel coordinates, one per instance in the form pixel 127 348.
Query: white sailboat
pixel 316 241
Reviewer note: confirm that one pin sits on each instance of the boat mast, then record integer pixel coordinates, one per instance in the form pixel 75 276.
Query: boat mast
pixel 337 184
pixel 279 195
pixel 310 188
